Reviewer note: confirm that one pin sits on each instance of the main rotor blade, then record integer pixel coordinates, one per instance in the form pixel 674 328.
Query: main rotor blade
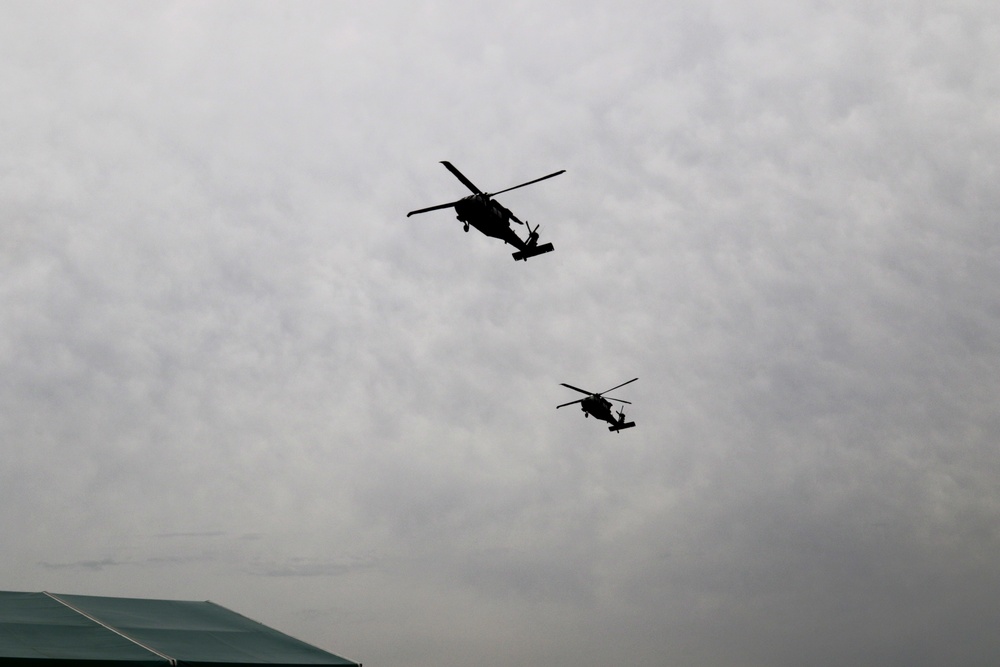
pixel 617 399
pixel 621 385
pixel 500 192
pixel 569 386
pixel 460 176
pixel 431 208
pixel 570 403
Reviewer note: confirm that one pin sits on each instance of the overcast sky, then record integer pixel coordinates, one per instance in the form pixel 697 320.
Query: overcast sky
pixel 232 369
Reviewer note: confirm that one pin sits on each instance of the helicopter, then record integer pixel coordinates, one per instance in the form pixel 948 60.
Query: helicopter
pixel 491 218
pixel 600 407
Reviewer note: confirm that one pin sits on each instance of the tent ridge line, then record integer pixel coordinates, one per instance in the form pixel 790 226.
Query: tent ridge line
pixel 104 625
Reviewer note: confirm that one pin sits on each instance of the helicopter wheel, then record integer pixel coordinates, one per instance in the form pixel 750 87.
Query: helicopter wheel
pixel 466 227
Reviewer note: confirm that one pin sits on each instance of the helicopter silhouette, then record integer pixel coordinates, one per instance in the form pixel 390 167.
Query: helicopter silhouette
pixel 600 407
pixel 491 218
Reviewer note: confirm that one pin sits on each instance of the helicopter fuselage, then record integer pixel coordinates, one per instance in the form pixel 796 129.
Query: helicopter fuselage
pixel 489 217
pixel 599 407
pixel 493 219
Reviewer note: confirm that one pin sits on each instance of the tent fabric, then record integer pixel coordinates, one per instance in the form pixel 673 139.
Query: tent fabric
pixel 47 629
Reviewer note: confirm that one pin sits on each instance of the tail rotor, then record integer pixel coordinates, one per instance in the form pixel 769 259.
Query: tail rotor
pixel 532 234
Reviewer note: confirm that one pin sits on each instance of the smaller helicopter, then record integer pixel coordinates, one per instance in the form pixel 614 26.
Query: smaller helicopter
pixel 600 407
pixel 491 218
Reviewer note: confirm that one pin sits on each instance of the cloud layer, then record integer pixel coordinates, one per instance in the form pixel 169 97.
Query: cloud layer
pixel 231 368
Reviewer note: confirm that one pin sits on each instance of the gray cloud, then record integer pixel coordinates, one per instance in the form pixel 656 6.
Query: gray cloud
pixel 231 368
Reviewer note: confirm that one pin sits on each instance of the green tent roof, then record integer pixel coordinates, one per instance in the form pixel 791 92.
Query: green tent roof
pixel 77 630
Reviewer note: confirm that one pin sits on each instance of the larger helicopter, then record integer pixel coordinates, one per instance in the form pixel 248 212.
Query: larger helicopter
pixel 491 218
pixel 600 407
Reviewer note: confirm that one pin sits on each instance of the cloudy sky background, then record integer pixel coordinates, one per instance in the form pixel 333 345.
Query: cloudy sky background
pixel 232 369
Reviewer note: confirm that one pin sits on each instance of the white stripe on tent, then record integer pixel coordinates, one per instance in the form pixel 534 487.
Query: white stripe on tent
pixel 108 627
